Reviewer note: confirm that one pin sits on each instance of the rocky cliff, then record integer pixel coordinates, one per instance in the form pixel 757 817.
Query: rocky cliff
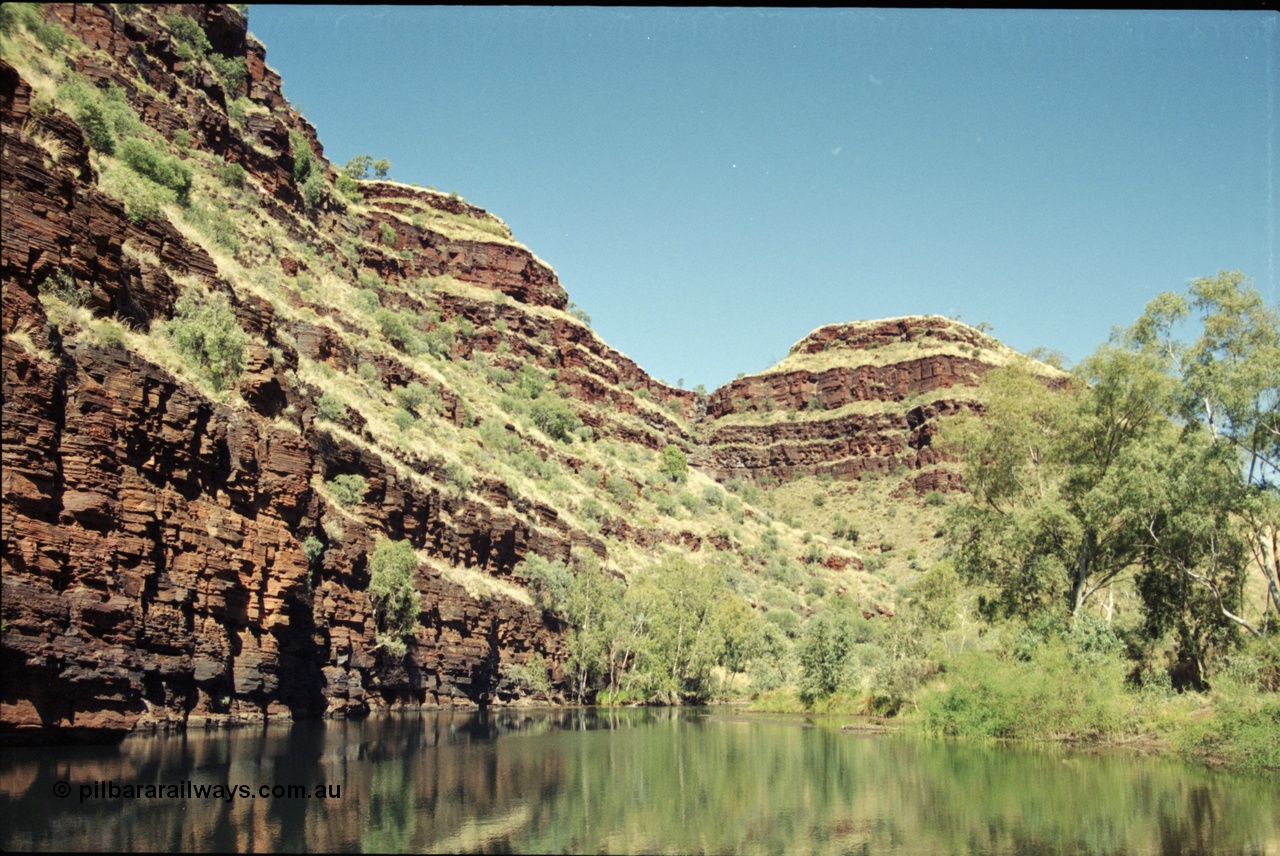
pixel 176 548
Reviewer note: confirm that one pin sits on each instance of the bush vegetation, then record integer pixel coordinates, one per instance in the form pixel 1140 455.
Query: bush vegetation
pixel 393 594
pixel 348 489
pixel 206 333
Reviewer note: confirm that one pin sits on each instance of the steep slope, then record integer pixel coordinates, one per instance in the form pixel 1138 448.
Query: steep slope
pixel 231 371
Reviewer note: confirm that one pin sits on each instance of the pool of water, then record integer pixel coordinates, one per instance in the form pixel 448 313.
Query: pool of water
pixel 630 781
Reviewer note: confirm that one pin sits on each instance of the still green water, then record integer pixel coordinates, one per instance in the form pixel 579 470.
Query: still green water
pixel 631 781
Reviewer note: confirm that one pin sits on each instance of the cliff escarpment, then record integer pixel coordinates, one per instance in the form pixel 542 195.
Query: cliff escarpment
pixel 232 370
pixel 863 397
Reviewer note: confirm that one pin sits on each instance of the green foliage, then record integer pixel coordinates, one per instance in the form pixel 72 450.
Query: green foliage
pixel 347 186
pixel 62 285
pixel 189 35
pixel 110 335
pixel 530 677
pixel 312 548
pixel 592 509
pixel 349 489
pixel 313 189
pixel 387 235
pixel 359 166
pixel 555 418
pixel 232 175
pixel 681 604
pixel 168 172
pixel 31 17
pixel 398 328
pixel 675 465
pixel 549 582
pixel 308 171
pixel 216 221
pixel 620 489
pixel 411 397
pixel 824 652
pixel 331 407
pixel 1047 696
pixel 97 128
pixel 206 333
pixel 182 138
pixel 458 476
pixel 233 71
pixel 392 593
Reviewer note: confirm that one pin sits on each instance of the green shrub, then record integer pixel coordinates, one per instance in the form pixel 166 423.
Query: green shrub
pixel 403 419
pixel 397 327
pixel 690 502
pixel 387 235
pixel 1040 698
pixel 233 71
pixel 187 32
pixel 411 397
pixel 457 475
pixel 168 172
pixel 97 128
pixel 232 175
pixel 110 335
pixel 304 158
pixel 62 285
pixel 392 594
pixel 555 418
pixel 331 407
pixel 206 333
pixel 348 187
pixel 313 189
pixel 592 509
pixel 143 199
pixel 530 677
pixel 620 489
pixel 115 106
pixel 348 489
pixel 312 548
pixel 1241 734
pixel 675 465
pixel 182 138
pixel 549 582
pixel 238 110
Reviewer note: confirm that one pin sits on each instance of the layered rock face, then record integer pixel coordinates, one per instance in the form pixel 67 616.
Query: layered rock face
pixel 153 560
pixel 852 399
pixel 176 555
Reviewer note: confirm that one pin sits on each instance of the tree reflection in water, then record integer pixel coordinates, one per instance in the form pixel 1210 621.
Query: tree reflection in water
pixel 618 781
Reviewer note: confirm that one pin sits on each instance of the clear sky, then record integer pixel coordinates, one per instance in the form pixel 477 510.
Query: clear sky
pixel 713 184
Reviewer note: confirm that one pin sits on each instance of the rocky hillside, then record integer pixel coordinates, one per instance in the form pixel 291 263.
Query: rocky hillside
pixel 232 369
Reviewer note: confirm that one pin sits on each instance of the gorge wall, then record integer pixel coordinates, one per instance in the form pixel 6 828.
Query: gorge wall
pixel 154 567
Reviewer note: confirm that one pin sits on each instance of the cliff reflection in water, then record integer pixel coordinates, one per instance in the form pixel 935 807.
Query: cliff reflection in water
pixel 624 781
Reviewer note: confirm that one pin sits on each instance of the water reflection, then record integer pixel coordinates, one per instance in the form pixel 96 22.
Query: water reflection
pixel 582 781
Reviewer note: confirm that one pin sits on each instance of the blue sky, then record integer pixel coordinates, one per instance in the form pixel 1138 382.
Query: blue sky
pixel 712 184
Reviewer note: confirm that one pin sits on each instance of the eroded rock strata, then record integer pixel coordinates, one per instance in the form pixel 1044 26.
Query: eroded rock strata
pixel 154 568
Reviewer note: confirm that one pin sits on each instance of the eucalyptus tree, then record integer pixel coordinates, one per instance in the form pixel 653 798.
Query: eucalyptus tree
pixel 1227 393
